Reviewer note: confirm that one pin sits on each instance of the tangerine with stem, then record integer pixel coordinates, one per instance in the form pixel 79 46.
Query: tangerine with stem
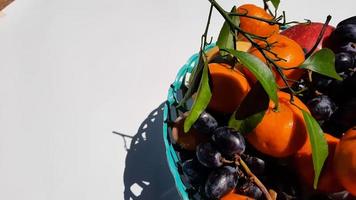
pixel 281 132
pixel 285 53
pixel 255 26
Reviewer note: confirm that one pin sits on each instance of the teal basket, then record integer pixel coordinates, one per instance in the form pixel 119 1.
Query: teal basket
pixel 170 113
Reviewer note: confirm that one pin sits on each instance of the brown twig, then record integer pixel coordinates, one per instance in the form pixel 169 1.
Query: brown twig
pixel 249 38
pixel 255 179
pixel 321 34
pixel 270 22
pixel 4 3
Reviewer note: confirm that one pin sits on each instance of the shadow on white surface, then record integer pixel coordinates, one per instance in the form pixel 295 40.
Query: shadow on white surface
pixel 146 174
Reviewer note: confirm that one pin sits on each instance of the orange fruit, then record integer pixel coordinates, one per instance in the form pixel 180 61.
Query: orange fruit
pixel 189 140
pixel 229 88
pixel 255 26
pixel 304 166
pixel 345 160
pixel 300 126
pixel 280 133
pixel 233 196
pixel 289 55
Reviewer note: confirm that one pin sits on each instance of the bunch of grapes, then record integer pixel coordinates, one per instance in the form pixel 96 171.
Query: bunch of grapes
pixel 333 102
pixel 214 168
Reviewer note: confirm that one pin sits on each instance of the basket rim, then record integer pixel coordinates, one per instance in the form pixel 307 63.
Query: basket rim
pixel 171 155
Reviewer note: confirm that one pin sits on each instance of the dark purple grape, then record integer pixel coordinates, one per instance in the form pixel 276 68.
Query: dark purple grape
pixel 208 155
pixel 350 84
pixel 184 154
pixel 350 20
pixel 220 182
pixel 194 171
pixel 335 89
pixel 344 61
pixel 256 165
pixel 320 82
pixel 319 196
pixel 251 190
pixel 349 47
pixel 346 32
pixel 229 141
pixel 343 195
pixel 321 107
pixel 343 119
pixel 206 123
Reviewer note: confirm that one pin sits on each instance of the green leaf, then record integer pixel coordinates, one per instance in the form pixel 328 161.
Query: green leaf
pixel 261 71
pixel 202 100
pixel 234 123
pixel 275 3
pixel 195 77
pixel 251 111
pixel 246 125
pixel 226 35
pixel 194 81
pixel 318 143
pixel 322 62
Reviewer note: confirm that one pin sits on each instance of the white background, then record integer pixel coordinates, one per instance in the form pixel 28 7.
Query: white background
pixel 72 71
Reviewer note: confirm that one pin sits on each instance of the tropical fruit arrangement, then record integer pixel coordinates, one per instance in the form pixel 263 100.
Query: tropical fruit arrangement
pixel 269 110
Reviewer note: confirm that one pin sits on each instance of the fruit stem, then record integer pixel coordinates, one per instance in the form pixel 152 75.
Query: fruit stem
pixel 273 194
pixel 193 82
pixel 249 38
pixel 293 22
pixel 223 160
pixel 266 7
pixel 328 18
pixel 205 35
pixel 255 179
pixel 284 78
pixel 270 22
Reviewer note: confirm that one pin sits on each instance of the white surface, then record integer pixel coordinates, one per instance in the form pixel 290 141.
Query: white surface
pixel 73 71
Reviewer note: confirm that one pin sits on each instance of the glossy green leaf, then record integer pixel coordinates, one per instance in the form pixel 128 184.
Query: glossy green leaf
pixel 322 62
pixel 275 3
pixel 318 143
pixel 194 81
pixel 251 111
pixel 246 125
pixel 226 35
pixel 261 71
pixel 201 101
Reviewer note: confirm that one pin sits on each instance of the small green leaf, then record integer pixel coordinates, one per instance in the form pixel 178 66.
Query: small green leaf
pixel 251 111
pixel 226 35
pixel 194 81
pixel 234 123
pixel 322 62
pixel 246 125
pixel 275 3
pixel 318 143
pixel 202 100
pixel 195 78
pixel 261 71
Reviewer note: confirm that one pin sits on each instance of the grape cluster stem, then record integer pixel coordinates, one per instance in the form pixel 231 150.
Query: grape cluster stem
pixel 255 179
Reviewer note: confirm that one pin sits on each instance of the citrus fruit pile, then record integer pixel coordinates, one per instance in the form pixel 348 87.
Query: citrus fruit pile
pixel 273 112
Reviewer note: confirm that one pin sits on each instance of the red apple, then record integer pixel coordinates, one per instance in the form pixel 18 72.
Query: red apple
pixel 307 34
